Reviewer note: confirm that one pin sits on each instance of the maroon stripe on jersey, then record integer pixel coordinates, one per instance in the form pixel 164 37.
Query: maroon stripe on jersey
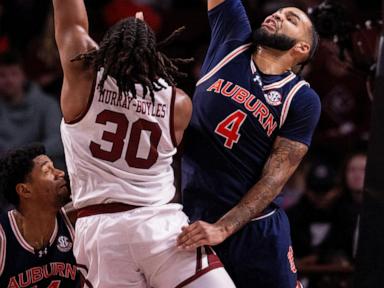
pixel 172 117
pixel 90 99
pixel 213 263
pixel 199 274
pixel 199 259
pixel 83 279
pixel 213 259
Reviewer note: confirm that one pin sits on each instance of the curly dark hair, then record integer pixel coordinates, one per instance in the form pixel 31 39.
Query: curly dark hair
pixel 129 53
pixel 15 166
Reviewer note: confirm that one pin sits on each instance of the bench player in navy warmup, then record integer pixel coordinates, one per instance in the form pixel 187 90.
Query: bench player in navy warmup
pixel 252 123
pixel 36 237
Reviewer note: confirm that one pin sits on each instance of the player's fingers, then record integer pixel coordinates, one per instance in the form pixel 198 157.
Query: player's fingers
pixel 140 15
pixel 200 243
pixel 186 235
pixel 193 240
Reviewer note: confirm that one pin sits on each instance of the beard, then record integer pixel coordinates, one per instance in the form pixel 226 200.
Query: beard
pixel 261 37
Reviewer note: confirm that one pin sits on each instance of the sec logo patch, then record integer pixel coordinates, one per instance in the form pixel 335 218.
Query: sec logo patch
pixel 64 244
pixel 273 98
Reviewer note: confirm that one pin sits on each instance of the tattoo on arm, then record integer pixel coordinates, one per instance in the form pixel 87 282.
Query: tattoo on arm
pixel 285 157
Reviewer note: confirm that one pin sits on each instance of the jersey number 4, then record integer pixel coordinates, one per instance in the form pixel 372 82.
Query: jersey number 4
pixel 117 139
pixel 230 126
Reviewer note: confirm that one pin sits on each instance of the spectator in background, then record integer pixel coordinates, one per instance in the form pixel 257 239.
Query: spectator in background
pixel 318 229
pixel 313 216
pixel 26 113
pixel 352 187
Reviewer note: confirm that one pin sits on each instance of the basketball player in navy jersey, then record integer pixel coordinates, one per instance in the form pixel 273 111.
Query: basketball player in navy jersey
pixel 252 123
pixel 36 237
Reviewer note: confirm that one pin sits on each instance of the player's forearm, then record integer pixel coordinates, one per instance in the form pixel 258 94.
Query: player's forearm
pixel 69 14
pixel 283 161
pixel 252 204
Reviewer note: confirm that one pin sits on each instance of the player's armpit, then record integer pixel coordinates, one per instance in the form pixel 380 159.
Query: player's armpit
pixel 285 157
pixel 182 113
pixel 213 3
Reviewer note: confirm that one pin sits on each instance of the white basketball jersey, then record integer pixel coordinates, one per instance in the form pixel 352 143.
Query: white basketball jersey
pixel 121 149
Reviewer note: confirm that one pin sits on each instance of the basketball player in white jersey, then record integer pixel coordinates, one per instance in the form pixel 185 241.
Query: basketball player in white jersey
pixel 123 119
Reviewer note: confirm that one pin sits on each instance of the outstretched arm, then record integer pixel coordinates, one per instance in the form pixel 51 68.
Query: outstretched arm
pixel 71 33
pixel 283 161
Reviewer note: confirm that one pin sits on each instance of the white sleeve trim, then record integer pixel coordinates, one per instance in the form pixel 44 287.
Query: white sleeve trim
pixel 288 101
pixel 224 62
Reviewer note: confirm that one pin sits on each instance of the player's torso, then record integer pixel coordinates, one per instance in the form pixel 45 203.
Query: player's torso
pixel 241 110
pixel 52 267
pixel 122 149
pixel 237 115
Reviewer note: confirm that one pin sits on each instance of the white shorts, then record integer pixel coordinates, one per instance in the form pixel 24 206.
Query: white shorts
pixel 137 248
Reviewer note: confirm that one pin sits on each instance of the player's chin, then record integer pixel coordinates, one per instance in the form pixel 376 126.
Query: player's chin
pixel 63 192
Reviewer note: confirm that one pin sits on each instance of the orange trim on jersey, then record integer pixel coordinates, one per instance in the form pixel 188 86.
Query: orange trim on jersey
pixel 288 100
pixel 21 239
pixel 224 62
pixel 18 235
pixel 3 249
pixel 89 103
pixel 172 117
pixel 280 83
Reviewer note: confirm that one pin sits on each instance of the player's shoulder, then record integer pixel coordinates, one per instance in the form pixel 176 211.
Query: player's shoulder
pixel 306 97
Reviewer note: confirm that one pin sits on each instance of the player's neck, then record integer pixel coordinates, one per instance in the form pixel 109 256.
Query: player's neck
pixel 36 227
pixel 270 61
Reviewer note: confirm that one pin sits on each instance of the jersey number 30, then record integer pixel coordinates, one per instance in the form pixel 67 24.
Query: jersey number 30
pixel 117 139
pixel 230 126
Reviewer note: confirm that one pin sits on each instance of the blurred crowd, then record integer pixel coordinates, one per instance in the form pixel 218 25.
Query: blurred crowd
pixel 323 198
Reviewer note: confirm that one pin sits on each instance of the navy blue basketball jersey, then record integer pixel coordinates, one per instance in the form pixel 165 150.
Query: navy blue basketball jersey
pixel 237 114
pixel 22 266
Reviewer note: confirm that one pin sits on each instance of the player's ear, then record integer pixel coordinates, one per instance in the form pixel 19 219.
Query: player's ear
pixel 302 47
pixel 23 190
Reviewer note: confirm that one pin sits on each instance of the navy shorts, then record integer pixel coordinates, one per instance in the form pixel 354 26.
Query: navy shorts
pixel 260 255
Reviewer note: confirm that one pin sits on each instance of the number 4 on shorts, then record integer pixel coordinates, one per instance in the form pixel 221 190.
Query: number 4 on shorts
pixel 230 126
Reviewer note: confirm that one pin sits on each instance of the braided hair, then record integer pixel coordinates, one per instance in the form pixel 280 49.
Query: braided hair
pixel 129 53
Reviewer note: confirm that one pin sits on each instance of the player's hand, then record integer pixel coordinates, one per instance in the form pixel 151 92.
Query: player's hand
pixel 200 233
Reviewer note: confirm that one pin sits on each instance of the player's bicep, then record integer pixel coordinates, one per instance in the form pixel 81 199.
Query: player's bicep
pixel 71 44
pixel 285 157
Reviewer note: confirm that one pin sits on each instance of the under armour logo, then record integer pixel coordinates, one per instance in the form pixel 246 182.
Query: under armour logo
pixel 42 252
pixel 257 79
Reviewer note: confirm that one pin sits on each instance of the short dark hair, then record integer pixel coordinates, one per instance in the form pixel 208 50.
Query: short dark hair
pixel 15 166
pixel 10 58
pixel 129 53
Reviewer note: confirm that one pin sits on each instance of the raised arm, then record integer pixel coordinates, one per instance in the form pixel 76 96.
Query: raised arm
pixel 71 33
pixel 283 161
